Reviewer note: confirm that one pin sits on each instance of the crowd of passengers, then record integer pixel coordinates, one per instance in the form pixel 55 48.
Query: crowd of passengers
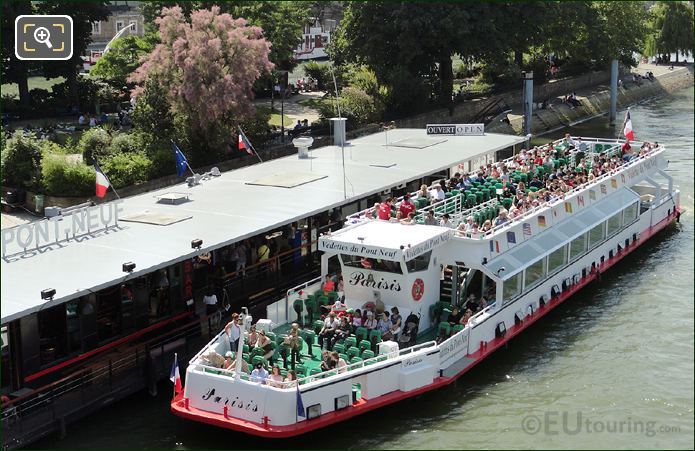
pixel 339 323
pixel 546 181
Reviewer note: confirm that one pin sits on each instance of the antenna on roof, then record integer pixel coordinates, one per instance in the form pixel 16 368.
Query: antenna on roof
pixel 342 140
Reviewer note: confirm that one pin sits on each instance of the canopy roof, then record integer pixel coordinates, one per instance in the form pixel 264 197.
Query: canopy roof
pixel 532 250
pixel 387 240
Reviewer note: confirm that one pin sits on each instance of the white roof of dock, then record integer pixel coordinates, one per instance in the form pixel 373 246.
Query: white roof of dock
pixel 227 209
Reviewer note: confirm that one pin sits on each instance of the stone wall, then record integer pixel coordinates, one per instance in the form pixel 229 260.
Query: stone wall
pixel 598 103
pixel 465 111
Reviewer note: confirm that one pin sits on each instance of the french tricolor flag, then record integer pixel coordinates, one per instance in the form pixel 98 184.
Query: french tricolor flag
pixel 102 183
pixel 175 377
pixel 244 143
pixel 627 128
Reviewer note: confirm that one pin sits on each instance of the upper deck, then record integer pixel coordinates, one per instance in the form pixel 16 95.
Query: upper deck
pixel 221 211
pixel 484 201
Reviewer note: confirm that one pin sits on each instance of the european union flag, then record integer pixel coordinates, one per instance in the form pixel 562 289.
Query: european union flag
pixel 300 404
pixel 181 162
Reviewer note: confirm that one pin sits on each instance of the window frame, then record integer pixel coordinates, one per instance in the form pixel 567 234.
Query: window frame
pixel 543 275
pixel 584 236
pixel 565 253
pixel 594 244
pixel 96 27
pixel 505 298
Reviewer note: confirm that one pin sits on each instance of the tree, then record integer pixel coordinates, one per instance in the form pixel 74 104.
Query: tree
pixel 82 18
pixel 123 58
pixel 14 70
pixel 396 39
pixel 208 68
pixel 672 25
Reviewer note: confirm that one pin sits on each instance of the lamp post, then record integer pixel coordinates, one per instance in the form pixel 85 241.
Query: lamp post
pixel 118 35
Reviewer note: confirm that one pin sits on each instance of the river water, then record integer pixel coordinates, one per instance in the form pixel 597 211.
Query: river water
pixel 611 368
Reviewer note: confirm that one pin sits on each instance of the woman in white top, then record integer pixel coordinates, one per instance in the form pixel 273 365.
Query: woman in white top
pixel 370 322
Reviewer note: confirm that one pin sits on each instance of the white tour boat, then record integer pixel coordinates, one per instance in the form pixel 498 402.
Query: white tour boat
pixel 525 266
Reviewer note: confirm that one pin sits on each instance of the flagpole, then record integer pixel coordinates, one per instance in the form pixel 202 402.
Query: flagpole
pixel 108 179
pixel 241 132
pixel 185 159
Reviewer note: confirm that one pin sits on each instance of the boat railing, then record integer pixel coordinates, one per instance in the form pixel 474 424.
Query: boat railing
pixel 312 377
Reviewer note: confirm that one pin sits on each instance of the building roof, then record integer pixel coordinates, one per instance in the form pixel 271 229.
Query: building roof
pixel 227 209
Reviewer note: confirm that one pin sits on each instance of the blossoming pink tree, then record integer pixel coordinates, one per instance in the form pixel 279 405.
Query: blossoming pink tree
pixel 208 67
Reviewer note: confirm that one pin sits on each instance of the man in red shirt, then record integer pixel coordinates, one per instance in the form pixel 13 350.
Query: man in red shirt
pixel 407 206
pixel 385 209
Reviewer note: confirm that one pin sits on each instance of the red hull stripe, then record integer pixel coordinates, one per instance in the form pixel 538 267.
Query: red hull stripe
pixel 179 408
pixel 113 344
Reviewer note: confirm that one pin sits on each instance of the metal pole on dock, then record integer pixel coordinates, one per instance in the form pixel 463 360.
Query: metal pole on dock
pixel 528 100
pixel 614 92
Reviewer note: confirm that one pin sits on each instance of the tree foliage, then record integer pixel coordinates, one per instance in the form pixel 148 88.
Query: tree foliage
pixel 671 24
pixel 207 69
pixel 123 58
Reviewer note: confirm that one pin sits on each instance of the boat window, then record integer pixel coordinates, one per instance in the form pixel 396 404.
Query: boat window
pixel 614 223
pixel 419 263
pixel 577 247
pixel 596 235
pixel 534 274
pixel 630 213
pixel 557 259
pixel 511 287
pixel 356 261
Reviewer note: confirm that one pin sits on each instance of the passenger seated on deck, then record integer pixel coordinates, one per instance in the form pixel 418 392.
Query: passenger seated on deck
pixel 265 344
pixel 290 379
pixel 227 363
pixel 275 379
pixel 259 374
pixel 252 336
pixel 410 220
pixel 338 307
pixel 454 316
pixel 466 317
pixel 430 219
pixel 330 325
pixel 370 322
pixel 384 326
pixel 341 364
pixel 501 218
pixel 327 362
pixel 356 319
pixel 244 366
pixel 395 323
pixel 342 332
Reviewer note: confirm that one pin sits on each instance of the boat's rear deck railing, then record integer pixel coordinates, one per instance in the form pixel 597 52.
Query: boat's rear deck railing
pixel 319 377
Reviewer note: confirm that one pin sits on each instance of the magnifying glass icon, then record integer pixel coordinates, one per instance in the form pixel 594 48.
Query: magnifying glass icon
pixel 43 36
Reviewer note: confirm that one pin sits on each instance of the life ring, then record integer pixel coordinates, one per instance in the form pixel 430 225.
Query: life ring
pixel 418 289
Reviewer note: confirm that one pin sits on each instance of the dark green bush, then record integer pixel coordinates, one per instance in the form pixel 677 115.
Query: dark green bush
pixel 62 177
pixel 21 161
pixel 95 142
pixel 126 143
pixel 163 163
pixel 127 168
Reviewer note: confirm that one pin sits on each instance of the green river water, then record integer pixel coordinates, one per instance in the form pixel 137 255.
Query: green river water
pixel 611 368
